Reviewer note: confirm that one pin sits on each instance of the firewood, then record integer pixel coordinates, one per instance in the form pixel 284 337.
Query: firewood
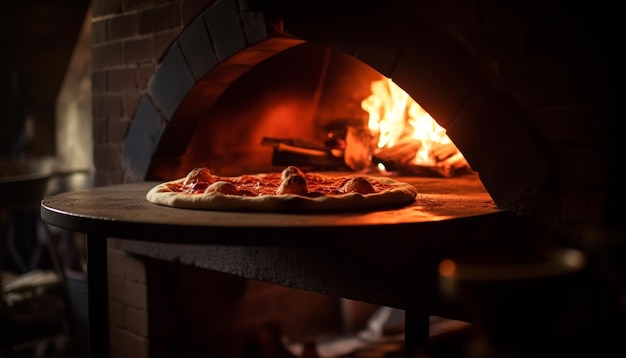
pixel 402 151
pixel 443 152
pixel 455 165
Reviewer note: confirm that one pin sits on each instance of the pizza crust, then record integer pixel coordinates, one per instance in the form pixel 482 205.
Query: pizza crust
pixel 398 194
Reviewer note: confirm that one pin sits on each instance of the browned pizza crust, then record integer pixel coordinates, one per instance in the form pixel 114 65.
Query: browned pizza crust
pixel 395 194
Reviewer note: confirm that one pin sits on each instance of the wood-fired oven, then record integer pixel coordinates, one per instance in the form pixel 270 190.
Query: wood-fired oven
pixel 180 84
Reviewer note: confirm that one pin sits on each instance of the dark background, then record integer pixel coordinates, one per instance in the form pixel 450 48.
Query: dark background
pixel 37 38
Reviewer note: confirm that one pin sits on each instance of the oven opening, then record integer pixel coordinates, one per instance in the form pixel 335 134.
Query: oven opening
pixel 313 107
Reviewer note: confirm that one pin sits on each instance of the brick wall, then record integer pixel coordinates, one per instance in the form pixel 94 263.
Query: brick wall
pixel 166 309
pixel 128 305
pixel 129 37
pixel 204 313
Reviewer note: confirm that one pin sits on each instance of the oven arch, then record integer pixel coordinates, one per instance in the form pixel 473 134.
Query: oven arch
pixel 481 116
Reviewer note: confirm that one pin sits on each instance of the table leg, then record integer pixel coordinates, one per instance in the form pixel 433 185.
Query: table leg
pixel 98 296
pixel 417 326
pixel 417 313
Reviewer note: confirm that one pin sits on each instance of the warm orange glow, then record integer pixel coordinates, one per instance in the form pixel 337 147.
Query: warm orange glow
pixel 447 268
pixel 395 117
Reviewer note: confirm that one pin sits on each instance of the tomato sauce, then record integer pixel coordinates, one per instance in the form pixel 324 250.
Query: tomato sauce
pixel 249 185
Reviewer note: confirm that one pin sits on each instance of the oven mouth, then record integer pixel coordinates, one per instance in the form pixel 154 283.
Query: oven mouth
pixel 310 106
pixel 199 86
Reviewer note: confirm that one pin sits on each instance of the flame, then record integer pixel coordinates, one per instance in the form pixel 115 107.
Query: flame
pixel 395 117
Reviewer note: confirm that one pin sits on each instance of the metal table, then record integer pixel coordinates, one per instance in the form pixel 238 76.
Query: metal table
pixel 444 216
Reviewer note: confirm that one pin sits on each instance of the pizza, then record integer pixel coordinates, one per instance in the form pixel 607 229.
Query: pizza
pixel 291 191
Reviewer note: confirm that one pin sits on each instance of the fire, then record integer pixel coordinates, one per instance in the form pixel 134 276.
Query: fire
pixel 397 121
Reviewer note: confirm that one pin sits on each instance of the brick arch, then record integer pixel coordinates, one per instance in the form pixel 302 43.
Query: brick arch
pixel 431 66
pixel 217 47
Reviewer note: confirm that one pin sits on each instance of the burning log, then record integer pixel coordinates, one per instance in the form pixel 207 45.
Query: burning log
pixel 283 157
pixel 443 152
pixel 457 164
pixel 448 157
pixel 453 166
pixel 290 151
pixel 399 155
pixel 358 151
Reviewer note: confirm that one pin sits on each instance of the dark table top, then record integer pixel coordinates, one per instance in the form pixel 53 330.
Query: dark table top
pixel 123 211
